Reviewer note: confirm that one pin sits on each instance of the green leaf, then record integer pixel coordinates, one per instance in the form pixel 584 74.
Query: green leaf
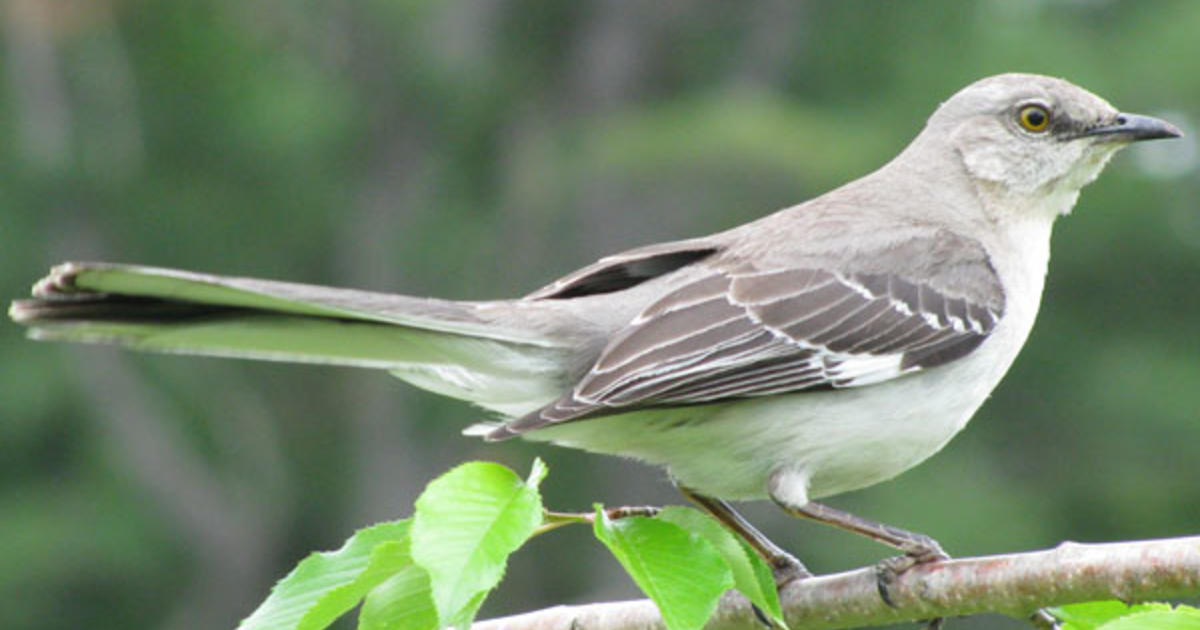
pixel 1181 618
pixel 751 575
pixel 467 523
pixel 325 585
pixel 467 616
pixel 404 600
pixel 682 572
pixel 1092 615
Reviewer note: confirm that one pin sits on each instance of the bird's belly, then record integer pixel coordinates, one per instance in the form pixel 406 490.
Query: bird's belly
pixel 835 441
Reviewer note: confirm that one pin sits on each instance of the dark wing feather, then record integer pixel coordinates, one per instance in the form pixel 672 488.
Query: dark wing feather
pixel 738 334
pixel 627 269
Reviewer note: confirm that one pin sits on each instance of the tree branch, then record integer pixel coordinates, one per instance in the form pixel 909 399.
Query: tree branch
pixel 1014 584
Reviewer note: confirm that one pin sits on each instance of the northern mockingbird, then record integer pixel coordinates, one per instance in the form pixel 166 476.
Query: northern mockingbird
pixel 820 349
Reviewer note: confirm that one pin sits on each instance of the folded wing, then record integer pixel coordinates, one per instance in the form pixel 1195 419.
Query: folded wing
pixel 745 333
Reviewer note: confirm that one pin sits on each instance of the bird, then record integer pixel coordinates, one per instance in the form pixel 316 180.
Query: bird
pixel 823 348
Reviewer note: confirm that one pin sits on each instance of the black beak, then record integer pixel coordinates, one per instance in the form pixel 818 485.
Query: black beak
pixel 1133 127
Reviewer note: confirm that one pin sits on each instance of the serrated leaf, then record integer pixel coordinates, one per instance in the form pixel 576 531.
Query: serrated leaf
pixel 403 601
pixel 325 585
pixel 1092 615
pixel 682 572
pixel 751 575
pixel 467 523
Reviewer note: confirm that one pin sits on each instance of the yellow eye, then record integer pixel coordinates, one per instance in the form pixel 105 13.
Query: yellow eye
pixel 1035 118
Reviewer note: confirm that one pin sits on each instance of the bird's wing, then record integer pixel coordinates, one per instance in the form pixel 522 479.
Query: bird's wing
pixel 738 333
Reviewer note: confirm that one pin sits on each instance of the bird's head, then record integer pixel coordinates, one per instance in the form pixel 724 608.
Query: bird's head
pixel 1032 135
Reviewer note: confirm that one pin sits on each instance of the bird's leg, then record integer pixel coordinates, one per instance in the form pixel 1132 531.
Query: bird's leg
pixel 784 565
pixel 917 548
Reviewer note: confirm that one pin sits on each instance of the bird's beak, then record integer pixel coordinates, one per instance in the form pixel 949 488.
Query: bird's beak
pixel 1133 127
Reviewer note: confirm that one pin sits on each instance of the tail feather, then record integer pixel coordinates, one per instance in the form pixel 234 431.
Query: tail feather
pixel 445 346
pixel 84 283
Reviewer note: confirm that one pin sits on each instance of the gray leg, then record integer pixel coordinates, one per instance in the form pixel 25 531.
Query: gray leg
pixel 917 548
pixel 784 565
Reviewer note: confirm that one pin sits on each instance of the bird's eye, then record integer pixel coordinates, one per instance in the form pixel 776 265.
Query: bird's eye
pixel 1035 118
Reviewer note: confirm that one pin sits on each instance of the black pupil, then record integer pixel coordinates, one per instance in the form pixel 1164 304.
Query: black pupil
pixel 1035 117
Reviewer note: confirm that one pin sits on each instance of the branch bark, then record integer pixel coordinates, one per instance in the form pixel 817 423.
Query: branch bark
pixel 1014 584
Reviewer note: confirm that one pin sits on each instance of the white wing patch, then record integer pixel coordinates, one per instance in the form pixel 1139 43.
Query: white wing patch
pixel 859 370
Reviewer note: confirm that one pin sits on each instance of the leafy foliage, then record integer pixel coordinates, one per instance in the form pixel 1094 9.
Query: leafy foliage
pixel 1115 615
pixel 435 569
pixel 325 585
pixel 467 523
pixel 683 573
pixel 430 571
pixel 751 575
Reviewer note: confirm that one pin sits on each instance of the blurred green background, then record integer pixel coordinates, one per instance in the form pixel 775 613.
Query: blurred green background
pixel 481 149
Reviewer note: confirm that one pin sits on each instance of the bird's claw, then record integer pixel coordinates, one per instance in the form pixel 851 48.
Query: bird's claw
pixel 922 551
pixel 787 569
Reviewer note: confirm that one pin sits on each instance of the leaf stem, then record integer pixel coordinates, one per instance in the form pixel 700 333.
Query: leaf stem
pixel 552 520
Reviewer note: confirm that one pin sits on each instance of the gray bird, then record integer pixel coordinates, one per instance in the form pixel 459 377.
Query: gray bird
pixel 820 349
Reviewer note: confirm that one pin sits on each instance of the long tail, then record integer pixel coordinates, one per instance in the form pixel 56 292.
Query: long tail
pixel 460 349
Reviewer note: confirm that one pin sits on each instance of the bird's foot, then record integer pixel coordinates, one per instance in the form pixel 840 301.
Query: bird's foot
pixel 918 549
pixel 890 569
pixel 786 569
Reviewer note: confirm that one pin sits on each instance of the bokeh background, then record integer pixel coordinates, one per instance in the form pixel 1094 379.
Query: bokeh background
pixel 480 149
